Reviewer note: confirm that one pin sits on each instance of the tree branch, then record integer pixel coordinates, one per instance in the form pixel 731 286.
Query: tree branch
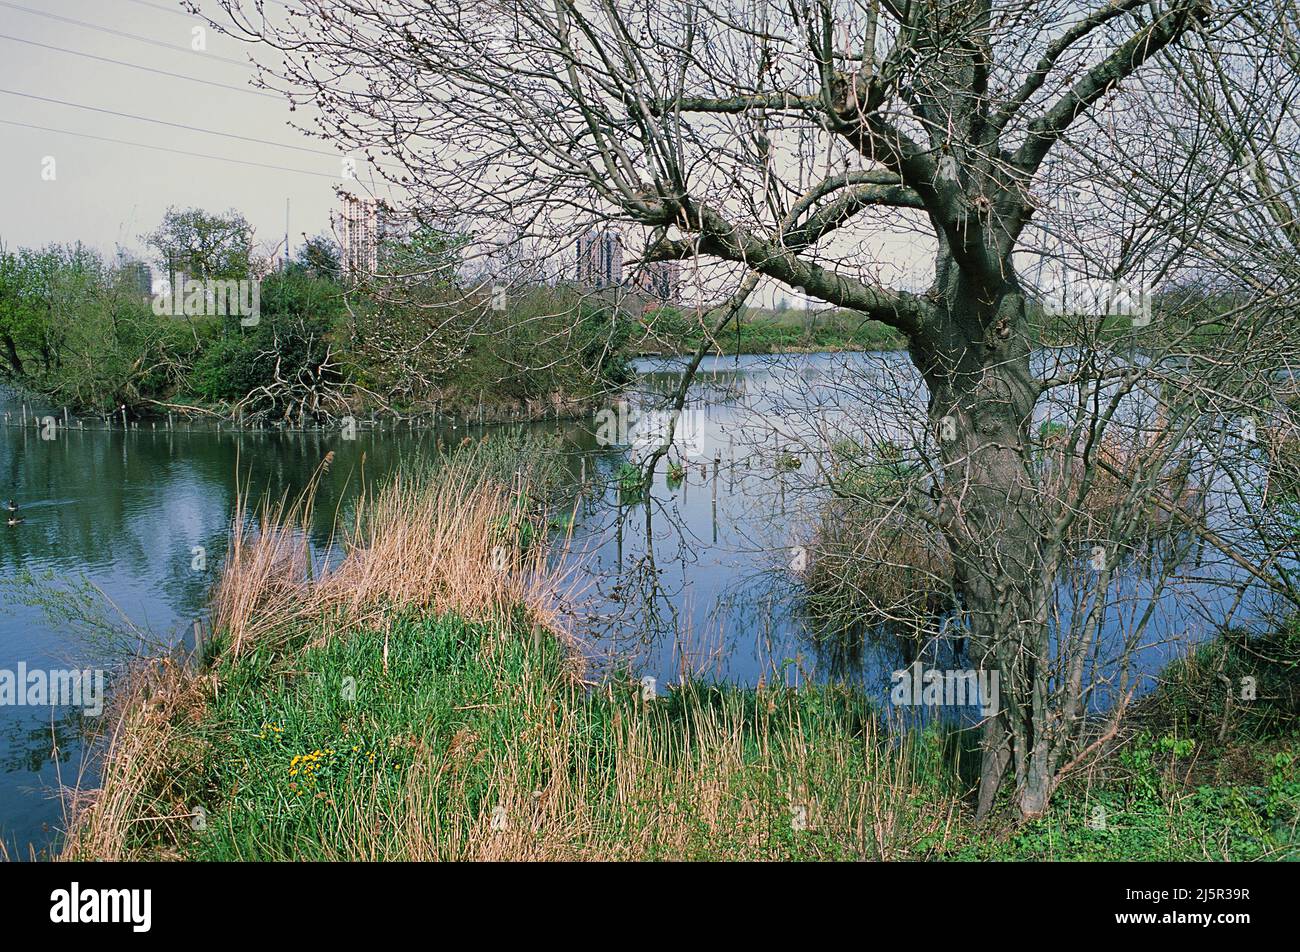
pixel 720 238
pixel 1046 130
pixel 1034 81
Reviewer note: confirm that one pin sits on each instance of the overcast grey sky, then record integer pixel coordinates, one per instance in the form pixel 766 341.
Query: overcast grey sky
pixel 107 194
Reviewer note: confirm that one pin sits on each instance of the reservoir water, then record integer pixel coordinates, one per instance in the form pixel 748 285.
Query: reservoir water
pixel 697 580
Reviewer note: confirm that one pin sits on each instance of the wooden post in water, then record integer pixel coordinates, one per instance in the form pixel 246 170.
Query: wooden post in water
pixel 619 496
pixel 716 463
pixel 197 655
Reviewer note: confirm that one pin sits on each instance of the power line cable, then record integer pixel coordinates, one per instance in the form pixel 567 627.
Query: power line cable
pixel 159 6
pixel 292 10
pixel 160 148
pixel 125 35
pixel 173 125
pixel 149 69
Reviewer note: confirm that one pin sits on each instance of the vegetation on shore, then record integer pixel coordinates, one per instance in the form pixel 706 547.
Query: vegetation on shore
pixel 877 561
pixel 420 699
pixel 761 331
pixel 1198 774
pixel 85 332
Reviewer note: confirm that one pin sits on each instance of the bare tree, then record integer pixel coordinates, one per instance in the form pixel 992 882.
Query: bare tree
pixel 766 141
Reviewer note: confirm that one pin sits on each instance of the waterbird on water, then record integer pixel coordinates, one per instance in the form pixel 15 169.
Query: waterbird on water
pixel 14 520
pixel 11 505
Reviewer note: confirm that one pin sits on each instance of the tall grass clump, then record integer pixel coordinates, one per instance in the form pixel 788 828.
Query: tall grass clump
pixel 874 565
pixel 877 563
pixel 436 537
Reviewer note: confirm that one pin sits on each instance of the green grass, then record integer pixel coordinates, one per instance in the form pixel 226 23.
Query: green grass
pixel 290 750
pixel 1201 775
pixel 405 734
pixel 458 721
pixel 1144 810
pixel 1201 696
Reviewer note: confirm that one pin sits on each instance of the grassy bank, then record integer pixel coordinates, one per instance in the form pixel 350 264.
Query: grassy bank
pixel 422 699
pixel 474 740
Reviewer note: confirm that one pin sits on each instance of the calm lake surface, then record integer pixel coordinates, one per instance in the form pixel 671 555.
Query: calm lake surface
pixel 696 581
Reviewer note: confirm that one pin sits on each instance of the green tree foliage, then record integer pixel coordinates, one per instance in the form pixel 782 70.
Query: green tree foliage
pixel 286 366
pixel 205 245
pixel 319 257
pixel 81 331
pixel 545 344
pixel 417 334
pixel 428 257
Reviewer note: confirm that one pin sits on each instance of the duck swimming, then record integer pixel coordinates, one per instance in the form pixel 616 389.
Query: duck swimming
pixel 14 520
pixel 11 505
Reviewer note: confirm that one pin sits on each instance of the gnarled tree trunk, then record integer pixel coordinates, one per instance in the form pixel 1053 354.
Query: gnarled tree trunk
pixel 974 357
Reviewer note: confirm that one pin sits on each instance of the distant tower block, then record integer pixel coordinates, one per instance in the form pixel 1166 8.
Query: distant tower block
pixel 600 259
pixel 661 280
pixel 360 226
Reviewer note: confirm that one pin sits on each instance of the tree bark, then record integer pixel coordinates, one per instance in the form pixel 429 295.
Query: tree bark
pixel 975 360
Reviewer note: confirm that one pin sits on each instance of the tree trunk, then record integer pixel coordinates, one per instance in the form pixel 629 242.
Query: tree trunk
pixel 996 744
pixel 976 365
pixel 11 354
